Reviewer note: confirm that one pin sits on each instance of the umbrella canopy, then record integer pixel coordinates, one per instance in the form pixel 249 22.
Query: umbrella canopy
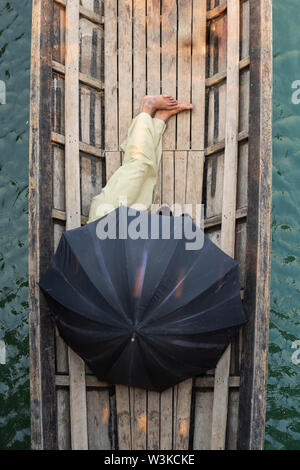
pixel 146 312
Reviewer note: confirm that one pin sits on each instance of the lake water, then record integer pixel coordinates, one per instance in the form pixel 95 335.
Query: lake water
pixel 283 404
pixel 15 25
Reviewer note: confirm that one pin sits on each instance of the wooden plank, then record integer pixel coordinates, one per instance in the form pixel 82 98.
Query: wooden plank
pixel 219 77
pixel 91 182
pixel 255 333
pixel 198 75
pixel 111 76
pixel 84 11
pixel 58 178
pixel 214 185
pixel 157 199
pixel 214 167
pixel 217 220
pixel 182 391
pixel 180 180
pixel 83 147
pixel 85 46
pixel 203 419
pixel 58 104
pixel 83 78
pixel 212 69
pixel 215 148
pixel 208 382
pixel 133 433
pixel 245 29
pixel 168 195
pixel 139 54
pixel 62 35
pixel 123 417
pixel 63 380
pixel 184 71
pixel 97 138
pixel 79 438
pixel 91 59
pixel 166 419
pixel 168 178
pixel 194 182
pixel 153 420
pixel 221 89
pixel 92 6
pixel 63 420
pixel 41 331
pixel 59 16
pixel 209 223
pixel 217 10
pixel 125 68
pixel 113 162
pixel 56 32
pixel 153 88
pixel 90 118
pixel 168 66
pixel 182 414
pixel 98 413
pixel 232 425
pixel 220 403
pixel 62 364
pixel 84 115
pixel 153 47
pixel 139 418
pixel 240 249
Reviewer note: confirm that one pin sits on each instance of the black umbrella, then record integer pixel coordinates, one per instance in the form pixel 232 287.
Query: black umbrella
pixel 146 312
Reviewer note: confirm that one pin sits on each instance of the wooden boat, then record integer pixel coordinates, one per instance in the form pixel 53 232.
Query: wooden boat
pixel 91 64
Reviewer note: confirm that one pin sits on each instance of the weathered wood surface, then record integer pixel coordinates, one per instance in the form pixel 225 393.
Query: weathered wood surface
pixel 220 401
pixel 257 287
pixel 41 331
pixel 78 412
pixel 191 54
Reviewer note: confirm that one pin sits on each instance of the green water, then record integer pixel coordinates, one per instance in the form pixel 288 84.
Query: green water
pixel 15 24
pixel 283 404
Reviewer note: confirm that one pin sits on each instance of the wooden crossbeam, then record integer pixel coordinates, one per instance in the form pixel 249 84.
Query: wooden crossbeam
pixel 97 152
pixel 63 380
pixel 209 223
pixel 84 12
pixel 83 78
pixel 216 11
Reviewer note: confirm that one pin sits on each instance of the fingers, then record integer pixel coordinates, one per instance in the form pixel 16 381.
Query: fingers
pixel 169 98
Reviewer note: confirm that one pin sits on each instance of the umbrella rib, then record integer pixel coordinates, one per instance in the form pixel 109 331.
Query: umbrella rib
pixel 177 360
pixel 86 300
pixel 200 314
pixel 95 358
pixel 155 358
pixel 86 331
pixel 153 319
pixel 160 280
pixel 110 281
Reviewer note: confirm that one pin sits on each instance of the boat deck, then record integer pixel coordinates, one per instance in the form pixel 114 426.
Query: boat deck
pixel 90 68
